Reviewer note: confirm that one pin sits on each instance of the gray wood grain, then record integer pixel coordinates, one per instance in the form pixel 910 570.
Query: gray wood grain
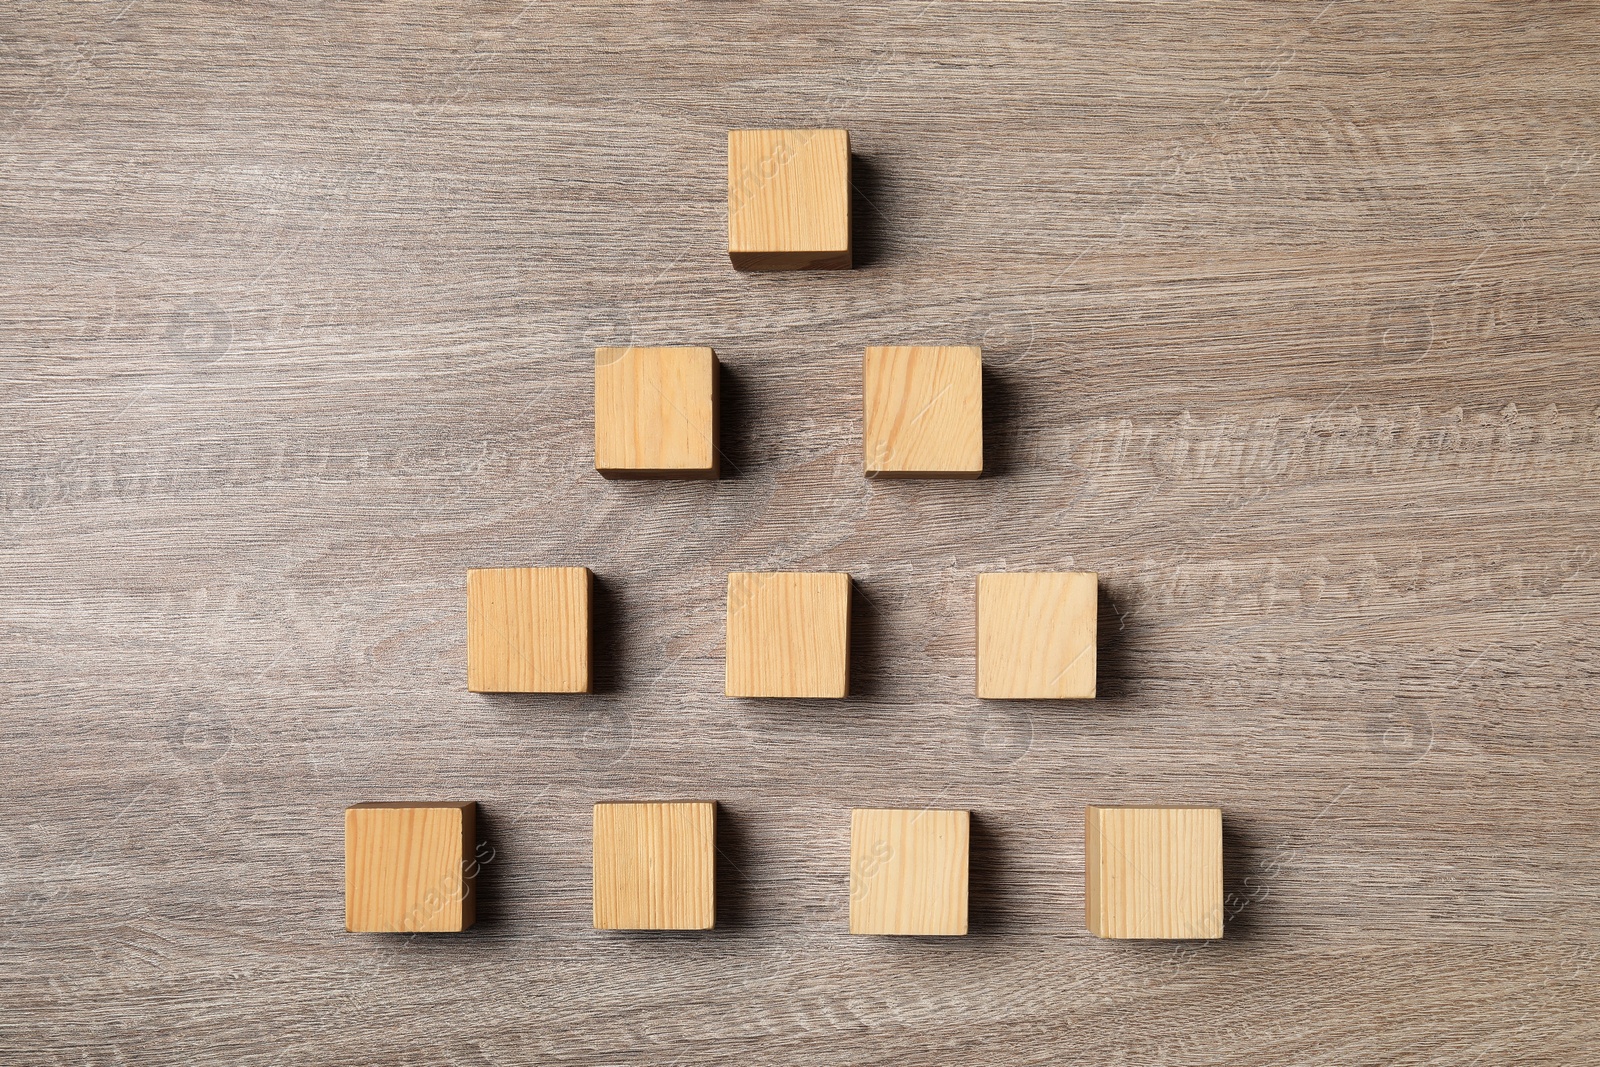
pixel 1291 315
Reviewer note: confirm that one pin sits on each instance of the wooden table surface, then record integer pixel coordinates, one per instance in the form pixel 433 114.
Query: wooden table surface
pixel 1290 316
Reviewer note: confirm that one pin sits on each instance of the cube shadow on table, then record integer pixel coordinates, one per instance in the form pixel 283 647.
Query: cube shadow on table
pixel 922 411
pixel 1037 635
pixel 788 635
pixel 789 199
pixel 410 867
pixel 1153 872
pixel 655 413
pixel 655 866
pixel 908 871
pixel 528 629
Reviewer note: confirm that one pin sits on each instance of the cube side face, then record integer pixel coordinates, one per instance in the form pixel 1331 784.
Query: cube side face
pixel 406 868
pixel 789 199
pixel 908 871
pixel 655 412
pixel 1153 872
pixel 1037 635
pixel 528 629
pixel 655 866
pixel 922 412
pixel 788 635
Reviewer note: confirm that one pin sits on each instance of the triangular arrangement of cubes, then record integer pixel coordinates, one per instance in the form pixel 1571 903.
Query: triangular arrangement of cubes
pixel 1150 872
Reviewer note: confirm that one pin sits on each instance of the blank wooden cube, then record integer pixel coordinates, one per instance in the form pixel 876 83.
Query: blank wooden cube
pixel 788 635
pixel 528 629
pixel 922 411
pixel 655 412
pixel 908 871
pixel 1153 872
pixel 1036 635
pixel 654 866
pixel 410 868
pixel 789 199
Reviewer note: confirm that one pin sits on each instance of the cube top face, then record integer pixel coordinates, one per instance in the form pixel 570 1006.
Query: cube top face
pixel 789 199
pixel 788 635
pixel 1153 872
pixel 528 630
pixel 908 871
pixel 1036 635
pixel 406 867
pixel 654 866
pixel 655 412
pixel 922 411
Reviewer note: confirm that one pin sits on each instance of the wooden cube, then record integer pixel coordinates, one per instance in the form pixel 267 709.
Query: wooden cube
pixel 654 866
pixel 528 629
pixel 788 635
pixel 410 868
pixel 908 871
pixel 922 411
pixel 789 199
pixel 655 412
pixel 1153 872
pixel 1036 635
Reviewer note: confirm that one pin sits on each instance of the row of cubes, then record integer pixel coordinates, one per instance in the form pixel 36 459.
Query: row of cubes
pixel 656 412
pixel 1150 872
pixel 788 633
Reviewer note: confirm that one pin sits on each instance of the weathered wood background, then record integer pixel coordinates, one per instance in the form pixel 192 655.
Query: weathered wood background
pixel 1291 314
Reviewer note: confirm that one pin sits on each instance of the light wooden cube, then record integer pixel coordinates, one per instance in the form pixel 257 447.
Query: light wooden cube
pixel 410 868
pixel 788 635
pixel 655 412
pixel 654 866
pixel 789 199
pixel 528 629
pixel 1153 872
pixel 1036 635
pixel 908 871
pixel 922 411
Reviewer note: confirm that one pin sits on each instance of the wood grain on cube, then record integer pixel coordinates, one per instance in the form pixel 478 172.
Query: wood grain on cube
pixel 528 629
pixel 1037 634
pixel 410 868
pixel 654 866
pixel 1153 872
pixel 908 871
pixel 655 412
pixel 922 411
pixel 789 199
pixel 788 635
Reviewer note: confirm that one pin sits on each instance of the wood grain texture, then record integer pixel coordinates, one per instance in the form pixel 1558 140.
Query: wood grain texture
pixel 789 199
pixel 1289 317
pixel 908 871
pixel 1153 872
pixel 1038 635
pixel 655 866
pixel 408 867
pixel 922 411
pixel 788 635
pixel 655 413
pixel 528 629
